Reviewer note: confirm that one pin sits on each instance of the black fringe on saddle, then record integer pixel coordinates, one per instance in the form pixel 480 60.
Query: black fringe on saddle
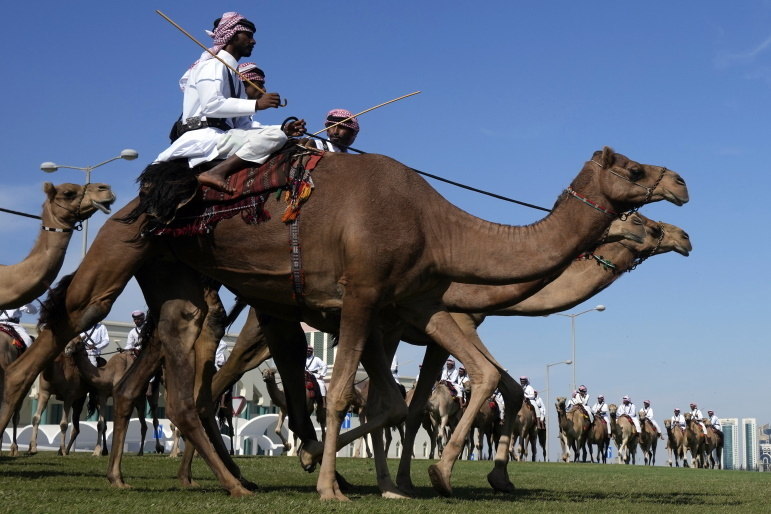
pixel 53 305
pixel 235 311
pixel 162 187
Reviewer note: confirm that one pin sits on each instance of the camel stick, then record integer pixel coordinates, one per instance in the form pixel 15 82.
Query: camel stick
pixel 258 88
pixel 365 111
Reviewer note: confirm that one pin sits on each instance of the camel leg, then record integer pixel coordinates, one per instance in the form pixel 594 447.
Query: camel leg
pixel 101 429
pixel 132 385
pixel 76 409
pixel 140 405
pixel 14 445
pixel 64 422
pixel 152 402
pixel 42 402
pixel 433 360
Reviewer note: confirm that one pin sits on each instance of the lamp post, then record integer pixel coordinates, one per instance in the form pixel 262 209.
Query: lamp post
pixel 548 401
pixel 573 317
pixel 50 167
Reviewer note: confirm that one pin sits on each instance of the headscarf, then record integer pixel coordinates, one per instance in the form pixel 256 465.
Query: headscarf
pixel 250 71
pixel 336 115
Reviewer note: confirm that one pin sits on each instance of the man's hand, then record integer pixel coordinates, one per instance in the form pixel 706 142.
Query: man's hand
pixel 267 101
pixel 294 128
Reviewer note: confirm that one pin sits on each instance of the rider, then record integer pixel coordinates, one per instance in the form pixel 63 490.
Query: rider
pixel 540 409
pixel 132 341
pixel 582 398
pixel 340 136
pixel 318 368
pixel 465 382
pixel 12 319
pixel 601 409
pixel 678 419
pixel 450 374
pixel 628 408
pixel 648 410
pixel 95 340
pixel 527 388
pixel 216 113
pixel 698 417
pixel 715 421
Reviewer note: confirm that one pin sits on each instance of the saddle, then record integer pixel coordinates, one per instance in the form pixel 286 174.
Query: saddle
pixel 453 390
pixel 631 422
pixel 16 339
pixel 178 206
pixel 312 386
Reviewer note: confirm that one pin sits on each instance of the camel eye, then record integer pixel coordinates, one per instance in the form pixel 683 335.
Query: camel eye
pixel 636 173
pixel 68 194
pixel 656 232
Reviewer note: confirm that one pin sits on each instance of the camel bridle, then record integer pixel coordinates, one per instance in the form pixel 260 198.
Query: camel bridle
pixel 78 223
pixel 648 190
pixel 645 255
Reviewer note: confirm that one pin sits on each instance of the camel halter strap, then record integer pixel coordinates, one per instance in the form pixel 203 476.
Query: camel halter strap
pixel 78 224
pixel 54 229
pixel 605 263
pixel 648 190
pixel 590 203
pixel 644 256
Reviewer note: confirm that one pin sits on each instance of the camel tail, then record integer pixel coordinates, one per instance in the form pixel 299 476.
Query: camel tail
pixel 53 306
pixel 93 402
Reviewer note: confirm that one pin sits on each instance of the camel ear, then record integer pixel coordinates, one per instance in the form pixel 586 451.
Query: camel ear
pixel 49 190
pixel 606 157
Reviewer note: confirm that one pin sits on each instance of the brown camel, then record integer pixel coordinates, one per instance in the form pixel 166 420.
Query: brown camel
pixel 66 205
pixel 444 411
pixel 525 431
pixel 598 437
pixel 675 443
pixel 250 349
pixel 614 183
pixel 648 439
pixel 625 435
pixel 62 379
pixel 713 446
pixel 279 400
pixel 695 442
pixel 487 426
pixel 574 429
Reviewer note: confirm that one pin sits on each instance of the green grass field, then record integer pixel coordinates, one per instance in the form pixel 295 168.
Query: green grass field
pixel 49 483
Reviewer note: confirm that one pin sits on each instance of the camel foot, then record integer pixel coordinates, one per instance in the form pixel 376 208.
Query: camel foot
pixel 32 452
pixel 344 485
pixel 310 455
pixel 119 484
pixel 188 483
pixel 141 452
pixel 406 486
pixel 332 493
pixel 440 480
pixel 395 494
pixel 248 484
pixel 498 479
pixel 159 449
pixel 239 492
pixel 14 451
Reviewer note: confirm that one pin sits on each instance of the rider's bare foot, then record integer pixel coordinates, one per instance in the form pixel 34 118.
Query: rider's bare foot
pixel 214 182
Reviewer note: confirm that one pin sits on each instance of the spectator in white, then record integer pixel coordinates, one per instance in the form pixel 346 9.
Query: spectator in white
pixel 341 135
pixel 12 318
pixel 95 340
pixel 221 355
pixel 465 382
pixel 540 409
pixel 628 408
pixel 132 341
pixel 527 388
pixel 715 421
pixel 648 410
pixel 318 369
pixel 697 416
pixel 678 419
pixel 601 409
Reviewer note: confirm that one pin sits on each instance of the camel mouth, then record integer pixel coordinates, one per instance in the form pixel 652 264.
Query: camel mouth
pixel 103 206
pixel 677 200
pixel 685 252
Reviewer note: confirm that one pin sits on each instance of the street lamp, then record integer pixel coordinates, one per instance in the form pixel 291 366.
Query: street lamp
pixel 573 334
pixel 548 401
pixel 50 167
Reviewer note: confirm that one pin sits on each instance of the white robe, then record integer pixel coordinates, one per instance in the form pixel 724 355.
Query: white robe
pixel 631 411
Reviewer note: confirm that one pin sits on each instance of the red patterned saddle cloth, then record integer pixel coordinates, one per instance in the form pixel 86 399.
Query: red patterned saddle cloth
pixel 16 339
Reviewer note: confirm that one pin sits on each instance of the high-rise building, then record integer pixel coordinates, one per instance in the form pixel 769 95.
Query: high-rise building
pixel 731 452
pixel 750 443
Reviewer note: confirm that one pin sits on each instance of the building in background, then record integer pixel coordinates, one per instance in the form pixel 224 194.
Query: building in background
pixel 731 451
pixel 750 444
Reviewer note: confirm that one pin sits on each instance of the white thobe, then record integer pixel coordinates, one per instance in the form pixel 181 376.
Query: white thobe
pixel 698 416
pixel 12 318
pixel 649 415
pixel 452 376
pixel 678 419
pixel 95 340
pixel 220 355
pixel 529 392
pixel 715 421
pixel 207 95
pixel 540 408
pixel 601 409
pixel 630 410
pixel 132 340
pixel 318 369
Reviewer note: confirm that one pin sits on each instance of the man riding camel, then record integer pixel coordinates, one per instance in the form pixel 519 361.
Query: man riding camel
pixel 450 374
pixel 133 341
pixel 678 419
pixel 601 409
pixel 318 369
pixel 12 319
pixel 216 113
pixel 540 409
pixel 698 417
pixel 581 397
pixel 627 408
pixel 648 410
pixel 715 421
pixel 341 135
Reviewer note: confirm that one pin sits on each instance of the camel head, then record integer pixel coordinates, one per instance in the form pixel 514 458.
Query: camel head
pixel 668 423
pixel 659 238
pixel 612 410
pixel 74 346
pixel 71 203
pixel 269 374
pixel 675 239
pixel 641 415
pixel 630 184
pixel 630 228
pixel 560 403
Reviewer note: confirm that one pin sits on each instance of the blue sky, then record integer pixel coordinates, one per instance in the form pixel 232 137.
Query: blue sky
pixel 515 97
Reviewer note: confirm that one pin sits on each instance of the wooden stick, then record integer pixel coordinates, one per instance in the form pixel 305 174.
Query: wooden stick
pixel 362 112
pixel 212 53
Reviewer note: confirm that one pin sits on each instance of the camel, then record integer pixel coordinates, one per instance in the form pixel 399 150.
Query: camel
pixel 525 431
pixel 713 446
pixel 675 443
pixel 648 439
pixel 279 400
pixel 598 436
pixel 65 207
pixel 444 411
pixel 486 425
pixel 675 239
pixel 611 182
pixel 695 442
pixel 574 429
pixel 625 435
